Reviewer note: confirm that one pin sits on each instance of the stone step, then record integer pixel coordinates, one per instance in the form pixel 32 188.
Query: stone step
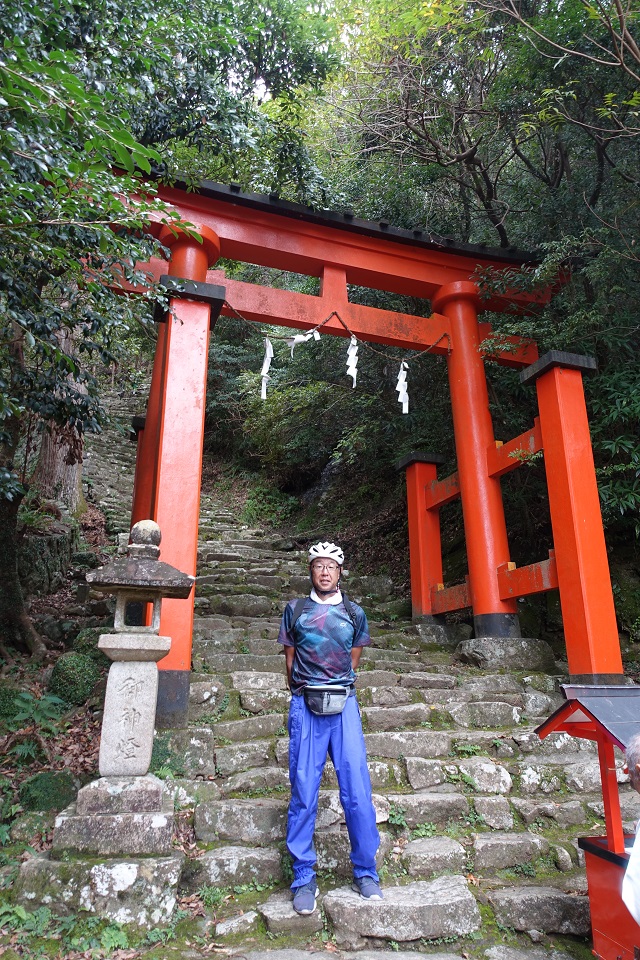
pixel 223 663
pixel 206 588
pixel 233 865
pixel 259 822
pixel 255 681
pixel 242 605
pixel 429 681
pixel 214 626
pixel 546 909
pixel 256 780
pixel 429 856
pixel 500 851
pixel 243 756
pixel 376 678
pixel 419 743
pixel 484 713
pixel 136 890
pixel 260 646
pixel 206 697
pixel 439 909
pixel 398 718
pixel 256 701
pixel 249 728
pixel 391 656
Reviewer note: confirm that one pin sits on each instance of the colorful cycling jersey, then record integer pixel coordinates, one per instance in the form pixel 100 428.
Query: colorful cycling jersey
pixel 323 637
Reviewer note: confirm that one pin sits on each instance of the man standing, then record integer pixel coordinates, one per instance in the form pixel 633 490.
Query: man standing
pixel 323 636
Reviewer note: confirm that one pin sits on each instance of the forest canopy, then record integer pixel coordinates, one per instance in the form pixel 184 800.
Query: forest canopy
pixel 489 122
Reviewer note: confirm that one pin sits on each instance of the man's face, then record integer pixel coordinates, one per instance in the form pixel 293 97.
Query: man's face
pixel 325 574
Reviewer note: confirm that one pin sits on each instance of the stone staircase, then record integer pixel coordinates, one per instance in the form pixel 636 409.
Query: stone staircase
pixel 479 819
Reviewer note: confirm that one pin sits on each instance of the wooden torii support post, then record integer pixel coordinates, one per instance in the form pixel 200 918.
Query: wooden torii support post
pixel 340 250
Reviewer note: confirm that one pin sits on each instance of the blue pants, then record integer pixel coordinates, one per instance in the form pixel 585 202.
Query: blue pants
pixel 340 736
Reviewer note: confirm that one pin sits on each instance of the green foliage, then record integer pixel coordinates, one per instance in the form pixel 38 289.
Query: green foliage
pixel 168 933
pixel 164 759
pixel 42 712
pixel 86 643
pixel 212 896
pixel 49 790
pixel 287 867
pixel 397 817
pixel 113 938
pixel 73 677
pixel 91 97
pixel 85 934
pixel 424 830
pixel 8 808
pixel 467 749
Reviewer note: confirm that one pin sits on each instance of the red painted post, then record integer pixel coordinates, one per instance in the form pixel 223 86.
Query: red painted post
pixel 425 549
pixel 484 522
pixel 179 460
pixel 144 495
pixel 138 425
pixel 586 598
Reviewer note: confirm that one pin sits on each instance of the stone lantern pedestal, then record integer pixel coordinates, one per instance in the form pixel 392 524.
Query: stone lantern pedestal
pixel 125 816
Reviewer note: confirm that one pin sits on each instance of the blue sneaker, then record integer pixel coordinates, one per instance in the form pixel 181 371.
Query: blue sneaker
pixel 367 887
pixel 304 898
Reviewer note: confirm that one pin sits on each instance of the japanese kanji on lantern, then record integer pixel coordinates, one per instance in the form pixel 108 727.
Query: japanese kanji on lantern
pixel 132 687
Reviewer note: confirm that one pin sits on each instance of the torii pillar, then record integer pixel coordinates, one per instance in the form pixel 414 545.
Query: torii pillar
pixel 586 598
pixel 169 468
pixel 482 507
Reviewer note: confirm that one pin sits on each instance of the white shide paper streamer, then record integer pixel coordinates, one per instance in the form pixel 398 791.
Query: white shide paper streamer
pixel 401 387
pixel 352 360
pixel 266 363
pixel 300 338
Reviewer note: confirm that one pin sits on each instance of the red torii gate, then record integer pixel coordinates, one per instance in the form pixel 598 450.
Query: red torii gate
pixel 341 250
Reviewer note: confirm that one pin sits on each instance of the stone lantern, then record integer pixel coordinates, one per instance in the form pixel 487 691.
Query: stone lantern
pixel 112 849
pixel 140 578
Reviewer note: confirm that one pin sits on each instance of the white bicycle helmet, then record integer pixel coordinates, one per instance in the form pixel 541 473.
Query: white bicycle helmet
pixel 329 551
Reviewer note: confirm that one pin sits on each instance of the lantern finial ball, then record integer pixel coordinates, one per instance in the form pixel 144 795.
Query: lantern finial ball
pixel 145 532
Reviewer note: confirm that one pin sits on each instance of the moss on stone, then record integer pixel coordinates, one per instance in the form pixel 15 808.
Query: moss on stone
pixel 73 678
pixel 86 643
pixel 29 825
pixel 48 790
pixel 164 759
pixel 9 693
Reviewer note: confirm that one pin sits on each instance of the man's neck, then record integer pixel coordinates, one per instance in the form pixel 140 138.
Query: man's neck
pixel 326 596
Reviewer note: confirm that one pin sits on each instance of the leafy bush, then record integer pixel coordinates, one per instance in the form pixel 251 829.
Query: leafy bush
pixel 86 643
pixel 74 677
pixel 41 712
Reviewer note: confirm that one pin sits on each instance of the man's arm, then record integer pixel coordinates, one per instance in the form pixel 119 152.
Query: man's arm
pixel 289 653
pixel 356 653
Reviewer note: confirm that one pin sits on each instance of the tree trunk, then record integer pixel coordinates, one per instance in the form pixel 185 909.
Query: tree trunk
pixel 16 629
pixel 58 475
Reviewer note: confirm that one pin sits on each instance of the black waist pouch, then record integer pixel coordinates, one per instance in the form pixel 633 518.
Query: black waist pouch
pixel 326 699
